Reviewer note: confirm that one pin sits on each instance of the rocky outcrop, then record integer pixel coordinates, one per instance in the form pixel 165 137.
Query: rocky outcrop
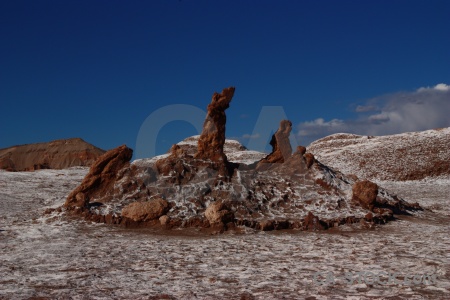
pixel 301 150
pixel 146 211
pixel 233 149
pixel 281 146
pixel 365 193
pixel 312 222
pixel 99 181
pixel 203 189
pixel 173 165
pixel 217 212
pixel 281 158
pixel 212 139
pixel 210 146
pixel 59 154
pixel 309 159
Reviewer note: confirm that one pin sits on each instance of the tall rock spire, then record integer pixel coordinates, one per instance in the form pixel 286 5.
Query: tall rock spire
pixel 212 139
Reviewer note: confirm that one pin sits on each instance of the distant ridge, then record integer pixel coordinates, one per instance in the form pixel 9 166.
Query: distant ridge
pixel 406 156
pixel 58 154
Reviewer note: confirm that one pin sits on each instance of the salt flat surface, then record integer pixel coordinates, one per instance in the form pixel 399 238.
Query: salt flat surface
pixel 51 256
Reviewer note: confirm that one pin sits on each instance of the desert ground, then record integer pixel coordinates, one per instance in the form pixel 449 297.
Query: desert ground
pixel 50 256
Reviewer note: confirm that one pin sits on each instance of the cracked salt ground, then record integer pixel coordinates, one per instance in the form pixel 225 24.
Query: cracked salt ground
pixel 51 257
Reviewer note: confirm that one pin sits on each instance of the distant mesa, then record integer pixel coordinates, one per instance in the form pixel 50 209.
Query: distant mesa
pixel 215 184
pixel 58 154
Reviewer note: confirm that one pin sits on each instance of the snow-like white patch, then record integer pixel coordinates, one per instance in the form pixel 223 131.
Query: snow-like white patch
pixel 246 157
pixel 191 141
pixel 234 150
pixel 391 157
pixel 148 161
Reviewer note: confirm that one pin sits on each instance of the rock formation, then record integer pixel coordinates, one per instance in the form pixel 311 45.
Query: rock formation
pixel 204 189
pixel 59 154
pixel 210 146
pixel 146 211
pixel 173 165
pixel 365 193
pixel 281 146
pixel 217 212
pixel 99 181
pixel 282 154
pixel 212 139
pixel 309 159
pixel 234 150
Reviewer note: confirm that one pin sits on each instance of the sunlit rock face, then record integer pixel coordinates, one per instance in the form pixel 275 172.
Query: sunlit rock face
pixel 212 139
pixel 100 180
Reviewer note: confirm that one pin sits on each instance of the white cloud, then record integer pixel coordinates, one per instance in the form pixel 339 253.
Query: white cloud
pixel 365 108
pixel 320 126
pixel 425 108
pixel 379 118
pixel 438 87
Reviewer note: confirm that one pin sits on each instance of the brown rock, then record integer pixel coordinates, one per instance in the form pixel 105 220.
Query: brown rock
pixel 312 222
pixel 365 193
pixel 101 176
pixel 146 211
pixel 383 211
pixel 174 165
pixel 177 151
pixel 301 149
pixel 59 154
pixel 247 296
pixel 266 225
pixel 281 146
pixel 294 165
pixel 197 221
pixel 217 212
pixel 212 139
pixel 309 159
pixel 81 200
pixel 164 220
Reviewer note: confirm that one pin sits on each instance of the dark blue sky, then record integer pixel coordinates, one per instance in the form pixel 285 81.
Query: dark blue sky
pixel 98 69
